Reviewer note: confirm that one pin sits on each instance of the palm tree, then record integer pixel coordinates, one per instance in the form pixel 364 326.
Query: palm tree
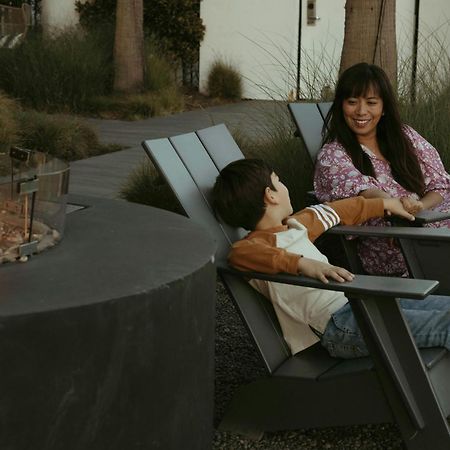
pixel 370 35
pixel 129 46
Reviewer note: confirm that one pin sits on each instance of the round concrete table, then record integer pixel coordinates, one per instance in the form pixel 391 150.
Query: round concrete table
pixel 107 339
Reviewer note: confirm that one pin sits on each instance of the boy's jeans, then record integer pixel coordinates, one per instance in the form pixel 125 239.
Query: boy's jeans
pixel 428 320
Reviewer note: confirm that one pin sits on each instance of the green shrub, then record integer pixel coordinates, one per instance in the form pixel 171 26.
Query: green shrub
pixel 224 81
pixel 59 73
pixel 161 93
pixel 138 106
pixel 73 72
pixel 65 137
pixel 158 71
pixel 8 123
pixel 144 185
pixel 431 119
pixel 175 23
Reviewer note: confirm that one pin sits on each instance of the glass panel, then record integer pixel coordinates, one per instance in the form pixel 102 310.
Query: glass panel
pixel 33 197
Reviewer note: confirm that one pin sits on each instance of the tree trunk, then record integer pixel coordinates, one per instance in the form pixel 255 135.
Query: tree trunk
pixel 129 46
pixel 370 35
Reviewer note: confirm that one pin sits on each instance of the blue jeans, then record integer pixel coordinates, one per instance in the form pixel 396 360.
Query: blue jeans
pixel 428 320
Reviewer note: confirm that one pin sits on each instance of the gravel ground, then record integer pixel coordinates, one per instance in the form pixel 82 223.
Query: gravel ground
pixel 237 363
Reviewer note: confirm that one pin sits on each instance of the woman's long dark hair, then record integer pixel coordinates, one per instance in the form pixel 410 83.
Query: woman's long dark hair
pixel 356 81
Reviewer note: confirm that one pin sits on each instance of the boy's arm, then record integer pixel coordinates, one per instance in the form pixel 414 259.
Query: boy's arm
pixel 261 255
pixel 350 211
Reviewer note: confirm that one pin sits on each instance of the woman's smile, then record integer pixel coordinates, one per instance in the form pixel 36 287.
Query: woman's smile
pixel 362 114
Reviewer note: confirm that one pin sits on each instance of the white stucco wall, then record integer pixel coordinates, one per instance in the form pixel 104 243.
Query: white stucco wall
pixel 321 45
pixel 260 37
pixel 58 14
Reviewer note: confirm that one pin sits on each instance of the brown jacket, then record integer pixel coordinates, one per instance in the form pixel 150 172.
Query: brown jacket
pixel 258 251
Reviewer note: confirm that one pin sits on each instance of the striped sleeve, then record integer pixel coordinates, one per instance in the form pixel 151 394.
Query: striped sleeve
pixel 351 211
pixel 326 215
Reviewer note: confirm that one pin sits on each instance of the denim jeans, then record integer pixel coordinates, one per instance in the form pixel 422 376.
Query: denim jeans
pixel 428 320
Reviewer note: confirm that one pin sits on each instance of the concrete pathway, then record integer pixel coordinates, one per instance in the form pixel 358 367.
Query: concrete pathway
pixel 102 176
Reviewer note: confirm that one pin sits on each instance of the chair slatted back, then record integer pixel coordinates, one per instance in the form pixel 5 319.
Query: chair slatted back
pixel 324 108
pixel 190 172
pixel 220 145
pixel 309 119
pixel 203 171
pixel 170 165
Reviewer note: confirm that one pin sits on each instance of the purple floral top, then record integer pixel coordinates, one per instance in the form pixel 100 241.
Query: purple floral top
pixel 336 177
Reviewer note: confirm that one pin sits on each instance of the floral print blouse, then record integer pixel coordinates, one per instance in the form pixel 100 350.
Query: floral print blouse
pixel 336 177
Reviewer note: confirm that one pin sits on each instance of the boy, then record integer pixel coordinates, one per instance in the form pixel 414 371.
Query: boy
pixel 248 193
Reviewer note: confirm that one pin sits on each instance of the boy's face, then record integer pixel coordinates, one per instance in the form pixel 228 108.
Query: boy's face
pixel 282 195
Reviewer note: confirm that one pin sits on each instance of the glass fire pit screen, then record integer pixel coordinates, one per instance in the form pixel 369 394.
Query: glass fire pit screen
pixel 33 197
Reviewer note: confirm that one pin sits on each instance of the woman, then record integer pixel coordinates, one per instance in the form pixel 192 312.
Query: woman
pixel 368 151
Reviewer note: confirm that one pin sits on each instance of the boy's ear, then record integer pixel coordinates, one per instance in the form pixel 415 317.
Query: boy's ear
pixel 269 197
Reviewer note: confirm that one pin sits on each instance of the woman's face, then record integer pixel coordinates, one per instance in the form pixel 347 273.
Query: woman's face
pixel 362 114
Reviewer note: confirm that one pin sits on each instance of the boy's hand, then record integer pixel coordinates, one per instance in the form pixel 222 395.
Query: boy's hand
pixel 395 206
pixel 322 271
pixel 411 205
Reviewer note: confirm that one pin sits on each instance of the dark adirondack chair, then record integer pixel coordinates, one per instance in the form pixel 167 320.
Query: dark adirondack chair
pixel 309 119
pixel 311 389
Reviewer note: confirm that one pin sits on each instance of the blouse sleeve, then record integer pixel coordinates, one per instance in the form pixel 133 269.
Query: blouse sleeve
pixel 336 177
pixel 435 176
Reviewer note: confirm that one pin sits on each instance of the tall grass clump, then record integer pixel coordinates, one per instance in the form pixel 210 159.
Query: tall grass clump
pixel 64 137
pixel 8 123
pixel 144 185
pixel 224 81
pixel 426 105
pixel 161 93
pixel 8 130
pixel 58 73
pixel 159 73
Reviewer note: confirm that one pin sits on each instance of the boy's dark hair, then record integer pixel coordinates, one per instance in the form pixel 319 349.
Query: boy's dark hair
pixel 238 193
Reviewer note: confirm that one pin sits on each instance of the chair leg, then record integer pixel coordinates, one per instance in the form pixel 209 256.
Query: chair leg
pixel 402 374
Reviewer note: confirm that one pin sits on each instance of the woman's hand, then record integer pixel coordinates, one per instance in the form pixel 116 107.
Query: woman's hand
pixel 411 205
pixel 322 271
pixel 395 206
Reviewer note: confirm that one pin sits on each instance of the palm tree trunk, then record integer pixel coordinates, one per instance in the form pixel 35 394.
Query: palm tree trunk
pixel 129 46
pixel 370 35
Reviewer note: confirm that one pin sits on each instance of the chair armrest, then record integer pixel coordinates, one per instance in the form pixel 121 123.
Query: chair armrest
pixel 428 216
pixel 422 218
pixel 432 234
pixel 362 285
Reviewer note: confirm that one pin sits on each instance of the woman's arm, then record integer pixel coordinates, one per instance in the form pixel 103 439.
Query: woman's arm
pixel 428 201
pixel 374 193
pixel 436 178
pixel 431 199
pixel 336 177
